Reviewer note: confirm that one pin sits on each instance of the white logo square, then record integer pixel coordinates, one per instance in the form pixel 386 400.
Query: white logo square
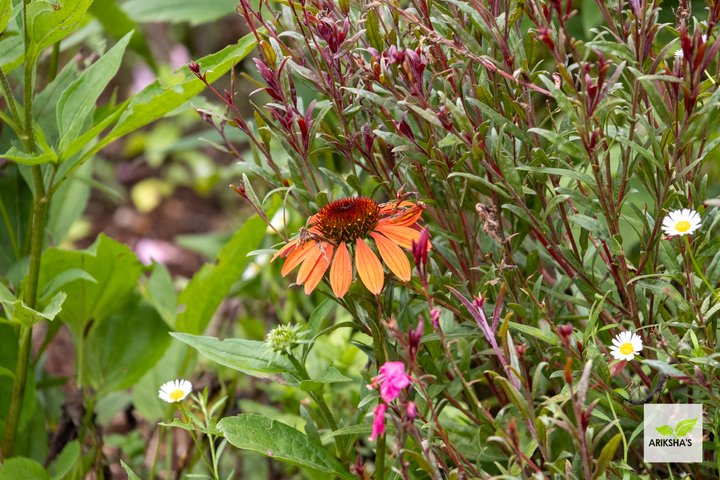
pixel 672 433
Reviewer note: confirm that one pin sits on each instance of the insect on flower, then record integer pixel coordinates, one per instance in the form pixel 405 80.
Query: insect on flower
pixel 346 228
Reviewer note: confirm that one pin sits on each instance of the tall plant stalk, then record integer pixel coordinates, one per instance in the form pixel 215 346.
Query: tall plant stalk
pixel 37 235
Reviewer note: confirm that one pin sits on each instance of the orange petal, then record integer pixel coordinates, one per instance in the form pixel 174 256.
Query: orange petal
pixel 285 249
pixel 387 208
pixel 405 217
pixel 393 256
pixel 318 270
pixel 341 271
pixel 403 236
pixel 296 257
pixel 369 267
pixel 309 262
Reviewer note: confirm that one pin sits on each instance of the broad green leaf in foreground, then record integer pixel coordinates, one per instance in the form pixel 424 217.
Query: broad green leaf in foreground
pixel 121 349
pixel 48 24
pixel 157 99
pixel 279 441
pixel 209 287
pixel 248 356
pixel 115 269
pixel 20 468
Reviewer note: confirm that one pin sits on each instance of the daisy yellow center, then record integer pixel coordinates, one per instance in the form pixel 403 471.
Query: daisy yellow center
pixel 626 348
pixel 682 226
pixel 348 219
pixel 176 395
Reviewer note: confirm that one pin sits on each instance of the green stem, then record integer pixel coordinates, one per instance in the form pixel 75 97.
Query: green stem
pixel 378 335
pixel 7 91
pixel 318 398
pixel 18 391
pixel 37 233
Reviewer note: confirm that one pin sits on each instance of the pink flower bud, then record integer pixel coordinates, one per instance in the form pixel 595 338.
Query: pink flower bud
pixel 378 427
pixel 411 410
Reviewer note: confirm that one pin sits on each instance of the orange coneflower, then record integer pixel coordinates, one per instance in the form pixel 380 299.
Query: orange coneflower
pixel 349 224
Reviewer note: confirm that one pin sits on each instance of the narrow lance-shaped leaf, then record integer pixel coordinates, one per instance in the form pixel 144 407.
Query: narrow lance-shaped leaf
pixel 77 102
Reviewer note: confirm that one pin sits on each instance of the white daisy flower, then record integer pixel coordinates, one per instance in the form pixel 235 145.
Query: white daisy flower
pixel 626 345
pixel 681 222
pixel 175 390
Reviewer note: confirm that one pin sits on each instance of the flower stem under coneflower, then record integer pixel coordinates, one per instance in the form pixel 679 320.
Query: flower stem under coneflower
pixel 378 334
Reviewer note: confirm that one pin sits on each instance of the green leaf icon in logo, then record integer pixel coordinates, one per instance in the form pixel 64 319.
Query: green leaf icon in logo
pixel 684 427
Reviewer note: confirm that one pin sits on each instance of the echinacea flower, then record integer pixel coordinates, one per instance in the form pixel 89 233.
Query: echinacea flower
pixel 175 390
pixel 346 228
pixel 392 379
pixel 681 222
pixel 626 345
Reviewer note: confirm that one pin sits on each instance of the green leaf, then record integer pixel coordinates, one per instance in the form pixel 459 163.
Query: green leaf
pixel 114 267
pixel 22 314
pixel 5 11
pixel 20 468
pixel 50 22
pixel 685 426
pixel 281 442
pixel 513 394
pixel 161 294
pixel 25 158
pixel 131 475
pixel 562 144
pixel 665 368
pixel 251 357
pixel 77 101
pixel 373 30
pixel 177 11
pixel 127 344
pixel 158 99
pixel 67 459
pixel 534 332
pixel 319 315
pixel 64 278
pixel 212 283
pixel 665 430
pixel 659 106
pixel 606 455
pixel 501 121
pixel 331 375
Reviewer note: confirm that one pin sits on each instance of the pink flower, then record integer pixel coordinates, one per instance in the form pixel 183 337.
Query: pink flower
pixel 411 410
pixel 392 380
pixel 378 427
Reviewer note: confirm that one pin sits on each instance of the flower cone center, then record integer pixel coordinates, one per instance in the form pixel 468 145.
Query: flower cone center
pixel 626 348
pixel 682 226
pixel 348 219
pixel 176 395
